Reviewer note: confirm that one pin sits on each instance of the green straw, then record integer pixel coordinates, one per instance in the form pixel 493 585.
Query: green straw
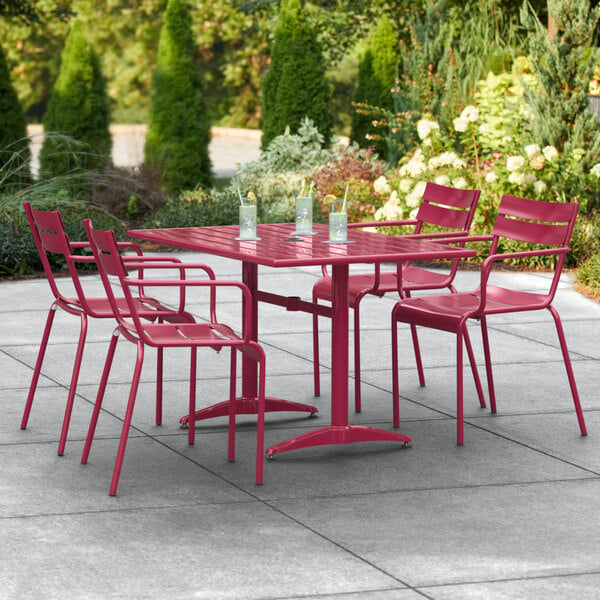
pixel 302 190
pixel 240 195
pixel 312 183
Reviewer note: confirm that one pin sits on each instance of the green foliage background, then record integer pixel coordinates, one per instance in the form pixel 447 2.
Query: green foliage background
pixel 14 148
pixel 295 86
pixel 179 127
pixel 79 109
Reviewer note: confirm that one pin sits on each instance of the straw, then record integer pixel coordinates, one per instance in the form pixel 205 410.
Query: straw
pixel 345 197
pixel 302 190
pixel 240 195
pixel 312 183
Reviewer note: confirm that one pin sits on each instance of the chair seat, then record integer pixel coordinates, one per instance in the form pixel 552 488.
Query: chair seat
pixel 445 311
pixel 149 308
pixel 414 278
pixel 189 334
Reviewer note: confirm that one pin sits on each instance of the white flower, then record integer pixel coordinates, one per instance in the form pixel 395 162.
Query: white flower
pixel 405 185
pixel 532 150
pixel 491 177
pixel 425 127
pixel 460 183
pixel 595 170
pixel 460 124
pixel 381 186
pixel 470 113
pixel 484 128
pixel 414 197
pixel 516 178
pixel 447 158
pixel 391 210
pixel 539 187
pixel 550 152
pixel 442 180
pixel 529 179
pixel 434 162
pixel 415 168
pixel 459 163
pixel 537 161
pixel 515 163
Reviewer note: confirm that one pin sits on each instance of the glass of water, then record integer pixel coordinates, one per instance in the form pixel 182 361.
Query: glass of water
pixel 248 218
pixel 338 221
pixel 304 215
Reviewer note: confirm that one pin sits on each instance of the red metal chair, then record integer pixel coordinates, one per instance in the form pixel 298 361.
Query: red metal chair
pixel 450 211
pixel 50 237
pixel 545 228
pixel 213 335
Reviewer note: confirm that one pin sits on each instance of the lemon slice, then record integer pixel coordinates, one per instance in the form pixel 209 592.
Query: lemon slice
pixel 251 196
pixel 329 198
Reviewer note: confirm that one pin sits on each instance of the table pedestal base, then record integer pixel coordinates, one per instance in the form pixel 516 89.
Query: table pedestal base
pixel 337 434
pixel 249 406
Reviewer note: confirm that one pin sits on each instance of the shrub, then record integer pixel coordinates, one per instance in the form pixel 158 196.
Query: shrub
pixel 197 209
pixel 179 127
pixel 277 176
pixel 18 253
pixel 78 109
pixel 376 76
pixel 295 85
pixel 14 146
pixel 357 170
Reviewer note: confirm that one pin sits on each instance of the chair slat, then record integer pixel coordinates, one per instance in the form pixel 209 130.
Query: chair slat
pixel 525 231
pixel 536 210
pixel 443 216
pixel 448 196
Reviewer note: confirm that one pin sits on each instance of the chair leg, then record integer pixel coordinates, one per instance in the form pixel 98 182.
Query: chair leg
pixel 417 350
pixel 192 403
pixel 569 368
pixel 99 397
pixel 159 385
pixel 488 364
pixel 260 433
pixel 38 365
pixel 415 341
pixel 357 384
pixel 127 422
pixel 232 397
pixel 316 368
pixel 73 385
pixel 459 388
pixel 474 368
pixel 395 390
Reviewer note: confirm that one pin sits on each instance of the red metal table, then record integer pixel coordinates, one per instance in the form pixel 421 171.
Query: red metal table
pixel 277 248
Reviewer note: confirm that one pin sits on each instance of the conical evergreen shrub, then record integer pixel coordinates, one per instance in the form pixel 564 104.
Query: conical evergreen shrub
pixel 295 86
pixel 179 126
pixel 14 147
pixel 78 109
pixel 376 78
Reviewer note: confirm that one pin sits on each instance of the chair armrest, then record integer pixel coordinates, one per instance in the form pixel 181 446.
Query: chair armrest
pixel 383 223
pixel 131 245
pixel 462 239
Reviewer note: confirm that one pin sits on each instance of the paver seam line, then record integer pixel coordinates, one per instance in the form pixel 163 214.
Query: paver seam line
pixel 509 579
pixel 345 594
pixel 127 509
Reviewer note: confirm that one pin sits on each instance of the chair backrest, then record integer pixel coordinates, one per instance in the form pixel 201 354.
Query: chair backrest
pixel 110 263
pixel 447 207
pixel 50 236
pixel 543 225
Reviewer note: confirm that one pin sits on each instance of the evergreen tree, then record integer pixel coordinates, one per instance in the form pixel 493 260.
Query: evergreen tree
pixel 79 109
pixel 564 64
pixel 295 86
pixel 376 77
pixel 14 146
pixel 179 126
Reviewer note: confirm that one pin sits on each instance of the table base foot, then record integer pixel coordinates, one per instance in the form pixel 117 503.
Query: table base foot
pixel 337 434
pixel 249 406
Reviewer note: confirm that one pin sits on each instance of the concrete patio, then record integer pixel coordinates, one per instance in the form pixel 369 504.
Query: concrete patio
pixel 511 514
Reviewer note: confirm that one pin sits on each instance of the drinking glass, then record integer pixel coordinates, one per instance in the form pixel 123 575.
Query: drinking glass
pixel 338 221
pixel 247 219
pixel 304 215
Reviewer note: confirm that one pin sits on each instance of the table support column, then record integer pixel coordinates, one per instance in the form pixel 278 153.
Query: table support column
pixel 339 346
